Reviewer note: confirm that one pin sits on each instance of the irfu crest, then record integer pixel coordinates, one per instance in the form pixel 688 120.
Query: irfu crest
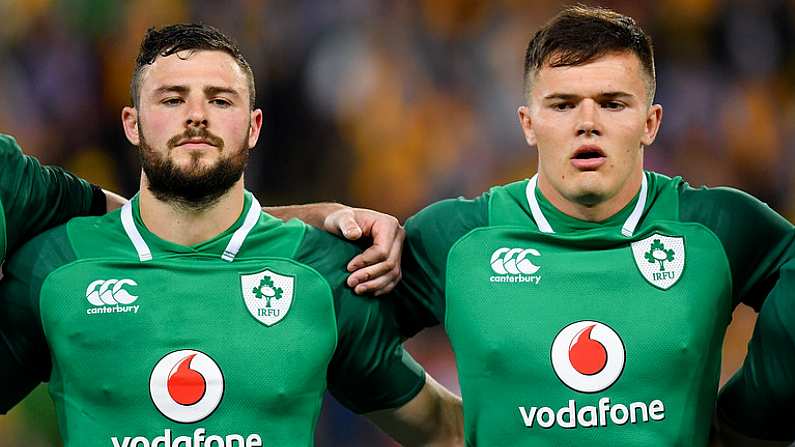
pixel 660 259
pixel 658 253
pixel 267 290
pixel 268 295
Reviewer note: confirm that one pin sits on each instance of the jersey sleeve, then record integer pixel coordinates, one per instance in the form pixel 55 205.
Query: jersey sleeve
pixel 37 197
pixel 758 400
pixel 430 234
pixel 757 240
pixel 369 370
pixel 24 354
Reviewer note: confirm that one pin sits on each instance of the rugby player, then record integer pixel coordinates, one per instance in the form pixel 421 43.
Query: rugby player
pixel 587 304
pixel 190 317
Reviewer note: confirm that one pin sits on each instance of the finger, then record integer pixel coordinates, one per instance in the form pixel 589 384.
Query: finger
pixel 388 288
pixel 374 286
pixel 373 272
pixel 350 229
pixel 343 222
pixel 374 255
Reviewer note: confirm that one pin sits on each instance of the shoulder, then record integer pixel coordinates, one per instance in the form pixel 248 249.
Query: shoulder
pixel 11 158
pixel 727 207
pixel 99 237
pixel 9 147
pixel 42 254
pixel 327 254
pixel 451 217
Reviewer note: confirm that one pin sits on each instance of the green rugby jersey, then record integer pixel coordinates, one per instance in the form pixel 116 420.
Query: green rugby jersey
pixel 758 401
pixel 35 197
pixel 228 343
pixel 569 332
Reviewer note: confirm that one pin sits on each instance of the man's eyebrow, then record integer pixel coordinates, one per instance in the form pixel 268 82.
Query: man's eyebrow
pixel 602 95
pixel 562 96
pixel 615 95
pixel 181 89
pixel 212 91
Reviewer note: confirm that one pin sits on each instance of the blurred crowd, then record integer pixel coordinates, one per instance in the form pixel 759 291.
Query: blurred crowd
pixel 392 104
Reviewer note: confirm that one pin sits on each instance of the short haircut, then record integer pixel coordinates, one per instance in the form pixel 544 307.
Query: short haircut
pixel 581 34
pixel 172 39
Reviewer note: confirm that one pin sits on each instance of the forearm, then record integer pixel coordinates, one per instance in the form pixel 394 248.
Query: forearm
pixel 113 200
pixel 434 418
pixel 313 213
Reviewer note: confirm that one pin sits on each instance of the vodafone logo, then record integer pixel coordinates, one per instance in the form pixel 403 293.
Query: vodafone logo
pixel 186 386
pixel 588 356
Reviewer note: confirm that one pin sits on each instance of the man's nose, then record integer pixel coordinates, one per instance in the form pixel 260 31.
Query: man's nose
pixel 197 115
pixel 588 118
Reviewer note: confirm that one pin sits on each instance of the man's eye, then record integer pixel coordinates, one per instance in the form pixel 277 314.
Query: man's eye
pixel 561 106
pixel 221 102
pixel 613 105
pixel 172 101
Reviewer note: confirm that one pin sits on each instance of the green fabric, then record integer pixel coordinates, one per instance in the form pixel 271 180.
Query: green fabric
pixel 106 338
pixel 755 237
pixel 429 236
pixel 35 197
pixel 365 375
pixel 458 269
pixel 757 401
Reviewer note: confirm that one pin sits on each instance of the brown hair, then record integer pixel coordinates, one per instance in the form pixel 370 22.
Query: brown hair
pixel 172 39
pixel 581 34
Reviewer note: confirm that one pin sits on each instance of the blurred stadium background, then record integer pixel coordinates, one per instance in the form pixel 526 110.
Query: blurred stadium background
pixel 394 104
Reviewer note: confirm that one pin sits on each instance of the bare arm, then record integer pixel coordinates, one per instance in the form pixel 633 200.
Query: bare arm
pixel 313 213
pixel 113 200
pixel 434 418
pixel 377 269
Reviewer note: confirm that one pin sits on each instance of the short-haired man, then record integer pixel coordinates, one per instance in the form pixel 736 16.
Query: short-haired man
pixel 587 304
pixel 189 317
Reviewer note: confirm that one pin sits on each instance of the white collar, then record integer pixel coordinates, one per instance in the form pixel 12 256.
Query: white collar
pixel 232 248
pixel 628 229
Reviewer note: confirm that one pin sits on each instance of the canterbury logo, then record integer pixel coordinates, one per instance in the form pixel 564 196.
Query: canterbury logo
pixel 514 261
pixel 110 292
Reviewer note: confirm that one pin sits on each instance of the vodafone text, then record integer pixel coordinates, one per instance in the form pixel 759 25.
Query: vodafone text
pixel 199 439
pixel 570 416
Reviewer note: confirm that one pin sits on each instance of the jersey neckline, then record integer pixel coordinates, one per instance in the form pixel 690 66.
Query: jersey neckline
pixel 628 218
pixel 142 239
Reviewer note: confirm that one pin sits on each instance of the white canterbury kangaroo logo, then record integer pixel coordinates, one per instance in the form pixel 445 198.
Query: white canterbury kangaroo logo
pixel 514 261
pixel 110 292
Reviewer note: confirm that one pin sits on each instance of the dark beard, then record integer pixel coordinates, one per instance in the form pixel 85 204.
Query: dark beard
pixel 193 188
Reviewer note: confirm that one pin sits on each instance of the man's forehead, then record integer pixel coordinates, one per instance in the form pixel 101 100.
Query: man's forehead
pixel 194 66
pixel 609 73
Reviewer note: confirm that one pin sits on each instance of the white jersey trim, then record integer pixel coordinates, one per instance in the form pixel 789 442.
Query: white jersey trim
pixel 627 230
pixel 254 212
pixel 632 221
pixel 538 216
pixel 144 254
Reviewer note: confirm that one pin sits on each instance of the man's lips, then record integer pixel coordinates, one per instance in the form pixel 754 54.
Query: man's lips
pixel 588 158
pixel 194 143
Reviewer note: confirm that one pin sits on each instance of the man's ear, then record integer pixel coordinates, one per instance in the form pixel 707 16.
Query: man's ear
pixel 527 125
pixel 129 120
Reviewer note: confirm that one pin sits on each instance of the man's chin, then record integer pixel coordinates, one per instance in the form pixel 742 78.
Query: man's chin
pixel 590 190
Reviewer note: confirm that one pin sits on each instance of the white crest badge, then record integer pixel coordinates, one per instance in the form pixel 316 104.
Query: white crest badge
pixel 268 295
pixel 660 259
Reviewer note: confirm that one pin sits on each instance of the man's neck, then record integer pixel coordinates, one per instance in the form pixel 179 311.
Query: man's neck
pixel 596 212
pixel 182 225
